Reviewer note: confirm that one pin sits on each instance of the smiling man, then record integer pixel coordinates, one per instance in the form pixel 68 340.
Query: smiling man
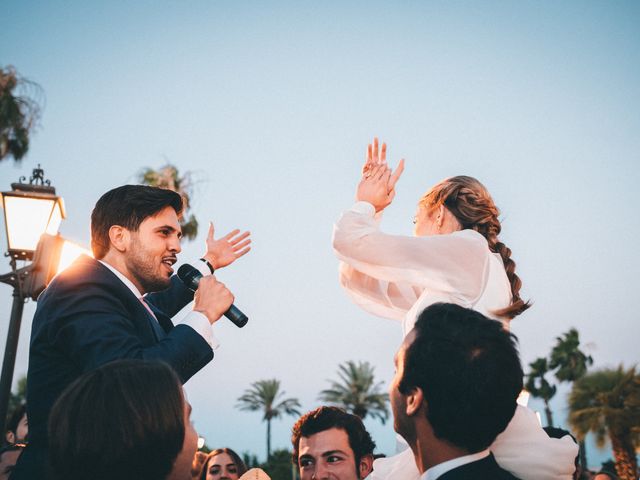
pixel 331 444
pixel 119 305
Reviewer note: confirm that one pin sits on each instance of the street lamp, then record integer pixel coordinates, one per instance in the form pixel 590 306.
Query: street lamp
pixel 30 210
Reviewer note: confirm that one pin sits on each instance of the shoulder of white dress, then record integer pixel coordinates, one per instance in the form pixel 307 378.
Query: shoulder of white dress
pixel 472 235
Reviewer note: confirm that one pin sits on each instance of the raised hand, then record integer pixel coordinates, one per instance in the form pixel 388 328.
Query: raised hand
pixel 373 188
pixel 226 250
pixel 375 157
pixel 377 162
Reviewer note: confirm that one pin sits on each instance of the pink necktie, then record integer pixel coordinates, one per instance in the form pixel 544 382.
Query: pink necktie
pixel 146 305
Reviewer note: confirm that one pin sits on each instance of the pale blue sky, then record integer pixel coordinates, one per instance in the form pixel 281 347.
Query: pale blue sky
pixel 272 105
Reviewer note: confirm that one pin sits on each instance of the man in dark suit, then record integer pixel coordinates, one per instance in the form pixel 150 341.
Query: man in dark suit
pixel 119 305
pixel 457 379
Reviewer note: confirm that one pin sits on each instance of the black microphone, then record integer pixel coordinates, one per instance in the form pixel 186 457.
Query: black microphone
pixel 191 276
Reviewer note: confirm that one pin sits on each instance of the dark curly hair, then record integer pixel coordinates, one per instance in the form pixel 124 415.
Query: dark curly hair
pixel 325 418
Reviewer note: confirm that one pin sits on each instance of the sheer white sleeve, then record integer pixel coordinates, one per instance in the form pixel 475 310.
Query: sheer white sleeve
pixel 385 274
pixel 525 450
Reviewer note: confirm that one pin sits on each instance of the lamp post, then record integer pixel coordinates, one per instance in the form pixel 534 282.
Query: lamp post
pixel 30 210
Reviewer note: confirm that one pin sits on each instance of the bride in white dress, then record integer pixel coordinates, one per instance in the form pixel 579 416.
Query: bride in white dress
pixel 454 256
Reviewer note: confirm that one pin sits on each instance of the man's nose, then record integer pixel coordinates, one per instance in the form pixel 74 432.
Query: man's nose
pixel 174 244
pixel 321 472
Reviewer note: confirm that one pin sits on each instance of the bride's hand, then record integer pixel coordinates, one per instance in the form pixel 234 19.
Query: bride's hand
pixel 373 188
pixel 374 158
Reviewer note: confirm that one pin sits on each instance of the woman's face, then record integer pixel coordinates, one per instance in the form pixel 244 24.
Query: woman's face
pixel 425 222
pixel 222 467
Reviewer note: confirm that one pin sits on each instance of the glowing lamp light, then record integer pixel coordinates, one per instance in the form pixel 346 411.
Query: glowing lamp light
pixel 68 254
pixel 30 209
pixel 53 255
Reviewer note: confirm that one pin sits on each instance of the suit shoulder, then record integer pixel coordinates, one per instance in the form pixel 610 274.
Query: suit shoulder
pixel 86 276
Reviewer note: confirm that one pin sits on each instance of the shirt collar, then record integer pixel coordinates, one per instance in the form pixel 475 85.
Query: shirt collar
pixel 437 471
pixel 123 279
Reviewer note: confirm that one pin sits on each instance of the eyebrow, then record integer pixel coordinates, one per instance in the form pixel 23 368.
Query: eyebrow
pixel 333 452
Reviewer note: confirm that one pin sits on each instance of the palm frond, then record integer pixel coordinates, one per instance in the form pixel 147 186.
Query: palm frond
pixel 357 392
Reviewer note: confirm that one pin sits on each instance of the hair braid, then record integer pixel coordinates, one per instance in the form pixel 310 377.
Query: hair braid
pixel 469 201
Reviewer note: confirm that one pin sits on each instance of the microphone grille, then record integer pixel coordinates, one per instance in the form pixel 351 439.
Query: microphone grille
pixel 185 271
pixel 189 275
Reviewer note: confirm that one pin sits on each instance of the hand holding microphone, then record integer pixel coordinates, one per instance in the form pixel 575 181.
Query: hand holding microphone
pixel 212 298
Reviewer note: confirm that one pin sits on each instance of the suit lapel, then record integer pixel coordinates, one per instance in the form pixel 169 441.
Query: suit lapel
pixel 164 320
pixel 139 315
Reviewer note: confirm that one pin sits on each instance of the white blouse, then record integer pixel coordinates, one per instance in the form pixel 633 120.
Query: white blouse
pixel 397 277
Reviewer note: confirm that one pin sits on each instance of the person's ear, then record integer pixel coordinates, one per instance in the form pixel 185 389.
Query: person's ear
pixel 10 436
pixel 366 466
pixel 440 213
pixel 119 238
pixel 415 400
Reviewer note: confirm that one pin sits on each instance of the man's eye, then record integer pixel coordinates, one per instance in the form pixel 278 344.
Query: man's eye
pixel 333 458
pixel 305 463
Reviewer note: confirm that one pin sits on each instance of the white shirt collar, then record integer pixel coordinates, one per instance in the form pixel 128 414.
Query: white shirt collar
pixel 435 472
pixel 123 279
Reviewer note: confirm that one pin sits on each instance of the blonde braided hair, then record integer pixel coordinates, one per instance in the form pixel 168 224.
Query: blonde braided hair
pixel 471 204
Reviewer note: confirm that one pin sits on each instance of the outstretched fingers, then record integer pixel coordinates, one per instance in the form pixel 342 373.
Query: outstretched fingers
pixel 393 179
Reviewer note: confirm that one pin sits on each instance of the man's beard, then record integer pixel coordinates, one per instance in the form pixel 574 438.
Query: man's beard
pixel 141 266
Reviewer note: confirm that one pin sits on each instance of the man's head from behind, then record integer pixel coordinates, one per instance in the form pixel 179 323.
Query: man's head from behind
pixel 128 420
pixel 460 371
pixel 331 443
pixel 137 228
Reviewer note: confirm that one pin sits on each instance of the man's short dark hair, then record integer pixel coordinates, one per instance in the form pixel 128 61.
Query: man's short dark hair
pixel 325 418
pixel 468 369
pixel 128 206
pixel 124 420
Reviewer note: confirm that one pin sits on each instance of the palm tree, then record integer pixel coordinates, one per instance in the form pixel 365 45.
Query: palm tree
pixel 265 395
pixel 357 391
pixel 571 364
pixel 567 357
pixel 19 113
pixel 169 177
pixel 539 387
pixel 607 402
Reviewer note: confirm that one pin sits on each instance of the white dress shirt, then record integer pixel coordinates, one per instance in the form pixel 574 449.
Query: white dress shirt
pixel 437 471
pixel 196 320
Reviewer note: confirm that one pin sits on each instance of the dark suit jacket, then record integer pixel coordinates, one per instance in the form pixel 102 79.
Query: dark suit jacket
pixel 487 468
pixel 87 317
